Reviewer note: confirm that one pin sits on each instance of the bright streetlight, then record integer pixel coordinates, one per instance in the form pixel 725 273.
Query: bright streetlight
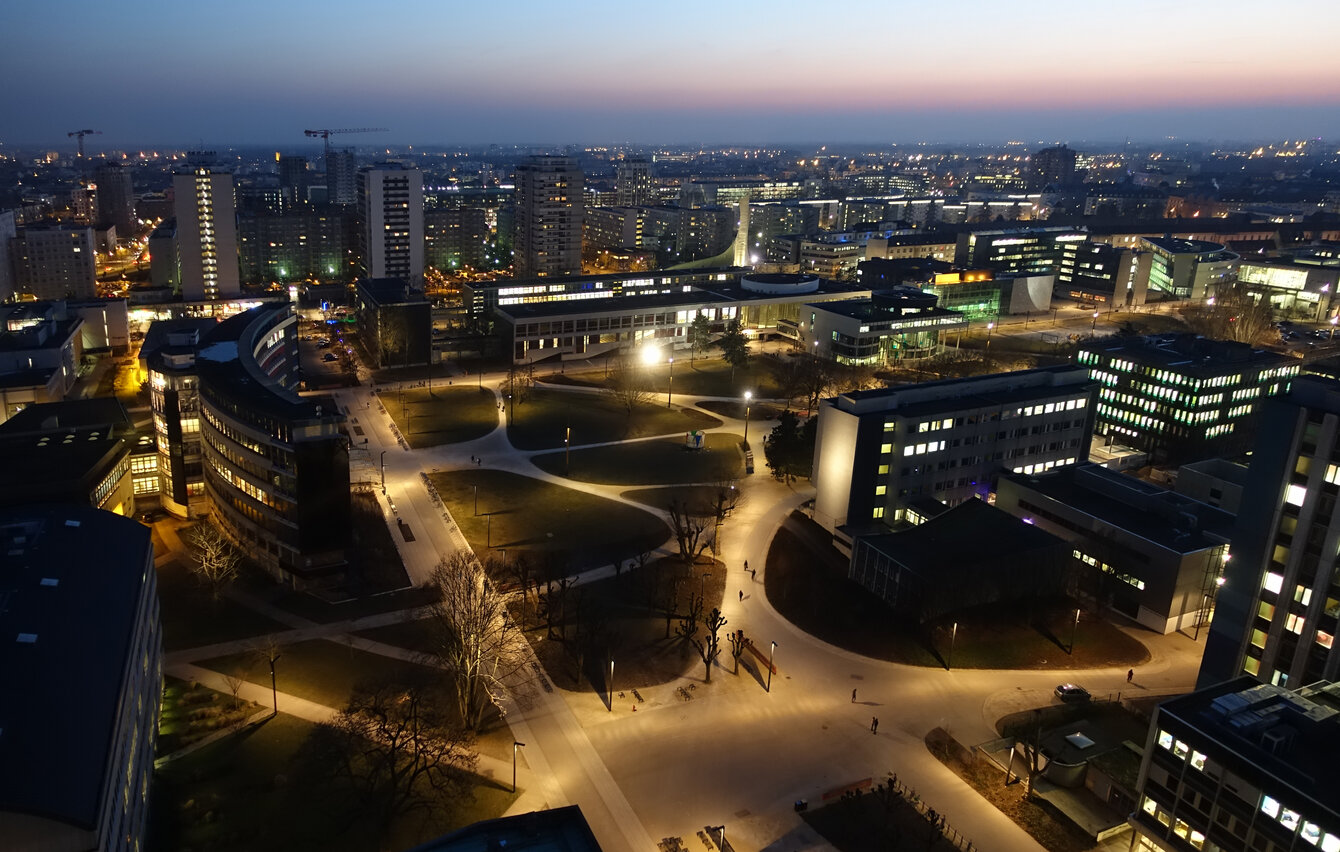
pixel 384 473
pixel 772 653
pixel 611 684
pixel 1094 327
pixel 953 637
pixel 989 327
pixel 1073 629
pixel 670 387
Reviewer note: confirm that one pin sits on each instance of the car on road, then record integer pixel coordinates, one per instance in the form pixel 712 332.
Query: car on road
pixel 330 356
pixel 1072 692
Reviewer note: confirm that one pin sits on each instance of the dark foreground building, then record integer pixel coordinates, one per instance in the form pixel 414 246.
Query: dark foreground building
pixel 82 659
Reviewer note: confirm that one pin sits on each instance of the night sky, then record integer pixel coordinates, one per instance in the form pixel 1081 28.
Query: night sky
pixel 446 72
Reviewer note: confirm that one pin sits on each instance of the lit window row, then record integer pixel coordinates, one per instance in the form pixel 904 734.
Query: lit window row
pixel 1292 820
pixel 1042 467
pixel 922 449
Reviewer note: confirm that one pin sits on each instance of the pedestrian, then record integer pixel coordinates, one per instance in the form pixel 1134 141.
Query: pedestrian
pixel 874 725
pixel 1130 675
pixel 741 595
pixel 853 696
pixel 746 565
pixel 753 573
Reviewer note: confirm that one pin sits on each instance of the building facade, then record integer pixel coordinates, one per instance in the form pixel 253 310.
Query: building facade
pixel 548 240
pixel 80 596
pixel 1150 554
pixel 395 322
pixel 1279 609
pixel 206 234
pixel 1182 398
pixel 276 465
pixel 879 451
pixel 898 324
pixel 116 199
pixel 55 262
pixel 1188 269
pixel 1241 765
pixel 390 209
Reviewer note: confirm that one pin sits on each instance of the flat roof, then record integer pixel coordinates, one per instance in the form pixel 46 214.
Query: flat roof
pixel 699 295
pixel 973 391
pixel 1189 354
pixel 1293 737
pixel 954 539
pixel 1171 520
pixel 71 578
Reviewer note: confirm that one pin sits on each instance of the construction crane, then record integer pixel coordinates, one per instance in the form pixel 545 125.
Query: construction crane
pixel 326 133
pixel 81 134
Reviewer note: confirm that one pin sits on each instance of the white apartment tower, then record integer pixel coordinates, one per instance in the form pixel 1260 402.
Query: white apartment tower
pixel 548 217
pixel 633 186
pixel 206 234
pixel 390 211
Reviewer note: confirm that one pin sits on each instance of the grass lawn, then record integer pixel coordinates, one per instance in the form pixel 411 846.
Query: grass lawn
pixel 530 515
pixel 239 793
pixel 191 618
pixel 322 612
pixel 414 635
pixel 660 498
pixel 450 415
pixel 192 712
pixel 876 821
pixel 625 616
pixel 658 462
pixel 807 582
pixel 704 377
pixel 319 670
pixel 543 420
pixel 374 563
pixel 758 412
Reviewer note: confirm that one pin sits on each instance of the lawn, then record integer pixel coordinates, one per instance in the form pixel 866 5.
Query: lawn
pixel 758 411
pixel 518 513
pixel 807 583
pixel 880 819
pixel 375 565
pixel 313 609
pixel 704 377
pixel 192 712
pixel 624 617
pixel 660 498
pixel 320 670
pixel 241 793
pixel 190 618
pixel 543 420
pixel 450 415
pixel 658 462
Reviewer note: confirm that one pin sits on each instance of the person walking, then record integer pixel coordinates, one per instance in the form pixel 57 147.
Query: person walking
pixel 874 725
pixel 1130 675
pixel 741 595
pixel 746 565
pixel 853 696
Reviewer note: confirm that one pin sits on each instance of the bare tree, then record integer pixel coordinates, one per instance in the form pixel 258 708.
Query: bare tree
pixel 474 639
pixel 629 386
pixel 397 748
pixel 738 644
pixel 235 679
pixel 554 606
pixel 688 621
pixel 725 498
pixel 519 569
pixel 1233 314
pixel 709 647
pixel 689 525
pixel 215 561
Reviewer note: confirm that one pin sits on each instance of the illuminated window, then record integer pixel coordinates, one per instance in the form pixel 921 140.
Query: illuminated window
pixel 1258 638
pixel 1197 760
pixel 1181 749
pixel 1251 666
pixel 1270 807
pixel 883 469
pixel 878 513
pixel 1293 623
pixel 1295 495
pixel 1166 740
pixel 880 490
pixel 1324 639
pixel 1273 582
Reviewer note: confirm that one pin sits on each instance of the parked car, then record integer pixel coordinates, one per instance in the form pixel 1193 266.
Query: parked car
pixel 330 356
pixel 1072 692
pixel 323 343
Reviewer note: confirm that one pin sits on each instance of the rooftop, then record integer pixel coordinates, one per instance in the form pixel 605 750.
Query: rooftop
pixel 971 392
pixel 1293 737
pixel 554 830
pixel 1170 520
pixel 70 579
pixel 1188 354
pixel 953 539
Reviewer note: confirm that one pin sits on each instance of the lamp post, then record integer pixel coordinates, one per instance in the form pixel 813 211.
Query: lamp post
pixel 488 530
pixel 748 396
pixel 953 638
pixel 1055 311
pixel 1094 326
pixel 515 745
pixel 1073 629
pixel 383 471
pixel 670 386
pixel 274 692
pixel 476 487
pixel 567 445
pixel 611 684
pixel 772 653
pixel 989 327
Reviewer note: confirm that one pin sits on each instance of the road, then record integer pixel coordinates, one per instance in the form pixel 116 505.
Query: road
pixel 735 754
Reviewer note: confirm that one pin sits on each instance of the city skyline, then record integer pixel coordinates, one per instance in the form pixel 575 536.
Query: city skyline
pixel 743 74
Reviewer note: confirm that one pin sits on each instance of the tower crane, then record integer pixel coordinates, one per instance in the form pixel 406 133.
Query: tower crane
pixel 81 134
pixel 325 134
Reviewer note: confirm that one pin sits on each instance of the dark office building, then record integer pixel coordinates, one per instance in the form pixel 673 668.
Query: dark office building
pixel 1016 250
pixel 116 199
pixel 310 243
pixel 395 322
pixel 1052 167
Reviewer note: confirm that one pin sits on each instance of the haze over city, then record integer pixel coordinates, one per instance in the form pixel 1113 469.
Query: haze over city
pixel 694 72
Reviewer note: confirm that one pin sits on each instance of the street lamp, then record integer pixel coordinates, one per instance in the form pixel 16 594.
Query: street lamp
pixel 748 396
pixel 383 471
pixel 670 386
pixel 611 684
pixel 476 487
pixel 989 327
pixel 1073 629
pixel 772 653
pixel 1094 327
pixel 515 745
pixel 274 692
pixel 953 637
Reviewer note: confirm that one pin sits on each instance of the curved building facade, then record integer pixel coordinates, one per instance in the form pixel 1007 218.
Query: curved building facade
pixel 276 465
